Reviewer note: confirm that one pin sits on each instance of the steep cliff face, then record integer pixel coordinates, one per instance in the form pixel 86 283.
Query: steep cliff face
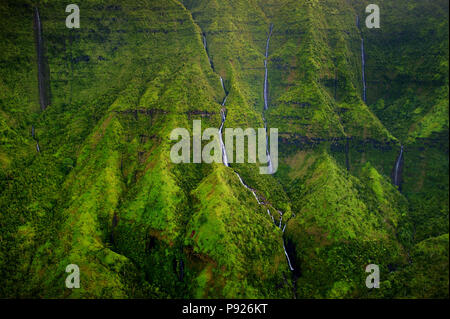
pixel 408 89
pixel 104 194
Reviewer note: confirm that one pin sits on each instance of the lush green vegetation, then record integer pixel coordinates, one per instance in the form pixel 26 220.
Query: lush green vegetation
pixel 103 193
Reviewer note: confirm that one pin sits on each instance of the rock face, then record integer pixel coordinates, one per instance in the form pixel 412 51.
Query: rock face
pixel 104 194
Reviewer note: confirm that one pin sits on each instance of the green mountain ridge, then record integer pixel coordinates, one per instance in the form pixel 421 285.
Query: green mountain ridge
pixel 103 193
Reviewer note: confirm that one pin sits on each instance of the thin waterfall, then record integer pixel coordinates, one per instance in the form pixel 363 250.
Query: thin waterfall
pixel 281 218
pixel 33 135
pixel 251 190
pixel 397 168
pixel 223 87
pixel 40 60
pixel 273 219
pixel 265 67
pixel 266 103
pixel 204 43
pixel 363 60
pixel 222 111
pixel 363 66
pixel 269 160
pixel 287 257
pixel 207 54
pixel 222 145
pixel 266 107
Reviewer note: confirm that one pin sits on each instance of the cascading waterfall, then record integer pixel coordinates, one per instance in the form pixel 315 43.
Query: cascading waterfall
pixel 397 168
pixel 251 190
pixel 222 111
pixel 222 145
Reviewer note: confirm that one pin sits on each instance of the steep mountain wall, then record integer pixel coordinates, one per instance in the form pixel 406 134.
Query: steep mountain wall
pixel 104 194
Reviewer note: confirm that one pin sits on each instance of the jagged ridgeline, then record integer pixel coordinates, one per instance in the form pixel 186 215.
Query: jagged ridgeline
pixel 86 176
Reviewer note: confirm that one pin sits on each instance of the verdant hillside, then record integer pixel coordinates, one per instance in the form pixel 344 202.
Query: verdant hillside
pixel 89 179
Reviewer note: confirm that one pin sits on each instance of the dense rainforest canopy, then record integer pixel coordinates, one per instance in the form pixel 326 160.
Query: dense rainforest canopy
pixel 86 176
